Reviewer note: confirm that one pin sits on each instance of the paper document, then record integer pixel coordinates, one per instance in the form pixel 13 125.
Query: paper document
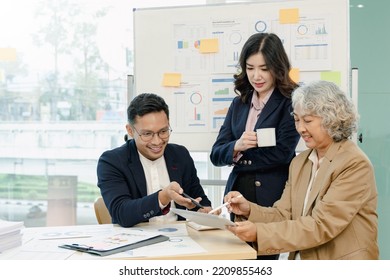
pixel 116 243
pixel 204 219
pixel 10 234
pixel 10 226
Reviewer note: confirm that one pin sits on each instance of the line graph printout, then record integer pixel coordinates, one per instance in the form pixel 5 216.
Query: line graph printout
pixel 222 95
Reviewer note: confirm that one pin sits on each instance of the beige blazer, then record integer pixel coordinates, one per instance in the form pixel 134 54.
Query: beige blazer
pixel 341 218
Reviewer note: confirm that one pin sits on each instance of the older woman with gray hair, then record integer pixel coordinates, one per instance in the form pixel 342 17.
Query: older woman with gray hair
pixel 328 208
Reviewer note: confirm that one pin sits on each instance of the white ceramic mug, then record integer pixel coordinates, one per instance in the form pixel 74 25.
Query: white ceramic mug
pixel 266 137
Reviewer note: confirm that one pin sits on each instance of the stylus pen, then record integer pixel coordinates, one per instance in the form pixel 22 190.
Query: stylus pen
pixel 223 205
pixel 193 200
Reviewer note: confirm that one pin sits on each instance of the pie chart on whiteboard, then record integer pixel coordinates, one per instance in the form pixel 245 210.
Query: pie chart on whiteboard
pixel 196 98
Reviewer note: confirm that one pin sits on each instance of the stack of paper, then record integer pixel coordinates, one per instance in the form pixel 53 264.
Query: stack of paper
pixel 10 234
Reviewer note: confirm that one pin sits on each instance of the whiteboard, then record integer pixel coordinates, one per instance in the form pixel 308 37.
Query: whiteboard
pixel 188 55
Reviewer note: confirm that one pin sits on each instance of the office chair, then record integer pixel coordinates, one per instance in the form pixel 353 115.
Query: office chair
pixel 101 211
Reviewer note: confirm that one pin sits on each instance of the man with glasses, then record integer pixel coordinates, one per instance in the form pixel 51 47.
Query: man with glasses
pixel 141 180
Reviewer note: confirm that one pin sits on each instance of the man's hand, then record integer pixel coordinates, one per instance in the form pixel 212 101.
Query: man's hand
pixel 174 192
pixel 205 209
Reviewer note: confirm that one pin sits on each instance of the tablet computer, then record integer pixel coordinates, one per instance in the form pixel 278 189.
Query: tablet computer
pixel 204 218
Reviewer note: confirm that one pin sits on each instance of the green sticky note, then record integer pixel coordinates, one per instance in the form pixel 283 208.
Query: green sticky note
pixel 332 76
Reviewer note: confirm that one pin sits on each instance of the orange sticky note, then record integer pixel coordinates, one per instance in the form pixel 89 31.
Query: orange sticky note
pixel 7 54
pixel 209 45
pixel 288 16
pixel 294 74
pixel 171 80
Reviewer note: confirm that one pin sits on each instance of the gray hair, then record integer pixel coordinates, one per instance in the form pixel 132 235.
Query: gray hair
pixel 327 101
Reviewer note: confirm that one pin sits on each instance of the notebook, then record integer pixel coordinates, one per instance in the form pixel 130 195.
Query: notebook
pixel 199 227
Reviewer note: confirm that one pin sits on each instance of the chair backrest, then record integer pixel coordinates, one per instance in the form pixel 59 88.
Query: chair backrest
pixel 101 211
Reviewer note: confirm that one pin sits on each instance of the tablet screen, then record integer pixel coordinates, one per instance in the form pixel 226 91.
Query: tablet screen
pixel 203 218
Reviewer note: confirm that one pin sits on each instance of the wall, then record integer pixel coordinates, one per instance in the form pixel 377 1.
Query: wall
pixel 370 45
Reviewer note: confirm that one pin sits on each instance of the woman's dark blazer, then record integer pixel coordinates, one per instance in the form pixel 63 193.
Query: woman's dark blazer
pixel 269 164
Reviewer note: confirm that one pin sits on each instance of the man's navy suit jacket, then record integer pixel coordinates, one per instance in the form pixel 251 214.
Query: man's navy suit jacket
pixel 122 182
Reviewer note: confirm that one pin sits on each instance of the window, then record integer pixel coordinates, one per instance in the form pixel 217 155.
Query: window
pixel 63 98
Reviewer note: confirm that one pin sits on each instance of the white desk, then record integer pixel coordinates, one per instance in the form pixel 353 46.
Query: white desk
pixel 211 244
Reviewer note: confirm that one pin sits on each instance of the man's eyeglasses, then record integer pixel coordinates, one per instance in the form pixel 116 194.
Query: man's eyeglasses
pixel 148 135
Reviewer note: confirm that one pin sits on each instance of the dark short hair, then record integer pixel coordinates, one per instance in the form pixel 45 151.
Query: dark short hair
pixel 146 103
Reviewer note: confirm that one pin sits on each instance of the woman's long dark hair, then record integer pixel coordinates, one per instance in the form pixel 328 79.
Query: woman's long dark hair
pixel 276 59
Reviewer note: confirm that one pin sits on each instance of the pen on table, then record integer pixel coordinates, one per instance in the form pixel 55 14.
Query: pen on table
pixel 223 205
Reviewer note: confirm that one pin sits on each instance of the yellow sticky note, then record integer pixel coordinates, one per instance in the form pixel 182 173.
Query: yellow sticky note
pixel 294 74
pixel 7 54
pixel 209 45
pixel 171 80
pixel 288 16
pixel 332 76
